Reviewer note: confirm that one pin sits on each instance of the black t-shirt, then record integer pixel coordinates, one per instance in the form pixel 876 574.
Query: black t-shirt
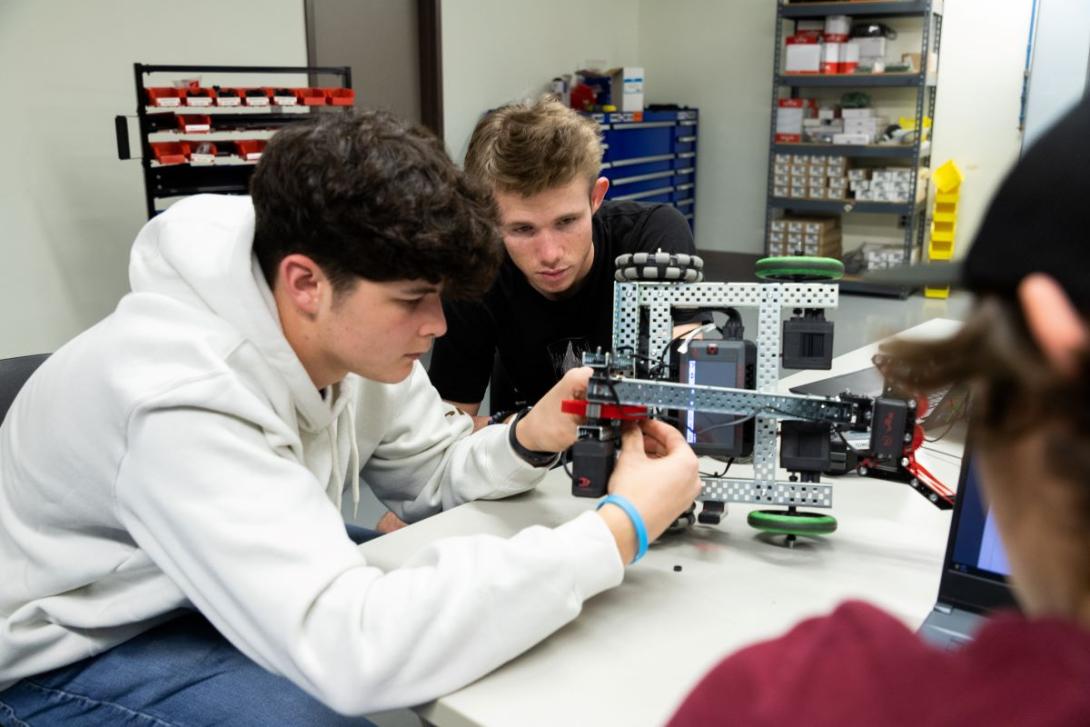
pixel 539 339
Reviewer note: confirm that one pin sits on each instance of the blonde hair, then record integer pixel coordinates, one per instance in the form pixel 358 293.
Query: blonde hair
pixel 530 147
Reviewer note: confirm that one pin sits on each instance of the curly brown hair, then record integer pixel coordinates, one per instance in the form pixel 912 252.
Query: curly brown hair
pixel 530 147
pixel 1015 389
pixel 366 195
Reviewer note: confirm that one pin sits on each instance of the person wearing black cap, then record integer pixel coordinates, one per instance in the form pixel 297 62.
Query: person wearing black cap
pixel 1025 349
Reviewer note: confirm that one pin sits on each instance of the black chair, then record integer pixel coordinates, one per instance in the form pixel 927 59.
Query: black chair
pixel 13 374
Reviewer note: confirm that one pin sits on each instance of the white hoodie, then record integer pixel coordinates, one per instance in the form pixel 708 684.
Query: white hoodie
pixel 177 456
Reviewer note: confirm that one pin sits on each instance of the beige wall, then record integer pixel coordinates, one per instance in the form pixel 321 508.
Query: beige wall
pixel 496 51
pixel 70 208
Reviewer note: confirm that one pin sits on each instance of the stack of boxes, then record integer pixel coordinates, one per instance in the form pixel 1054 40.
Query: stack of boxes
pixel 889 184
pixel 878 256
pixel 823 49
pixel 861 126
pixel 808 176
pixel 809 236
pixel 791 115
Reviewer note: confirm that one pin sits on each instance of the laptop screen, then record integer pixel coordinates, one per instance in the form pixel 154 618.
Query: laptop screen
pixel 977 549
pixel 975 574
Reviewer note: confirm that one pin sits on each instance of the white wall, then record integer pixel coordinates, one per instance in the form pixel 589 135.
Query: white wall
pixel 1061 51
pixel 70 208
pixel 497 51
pixel 717 56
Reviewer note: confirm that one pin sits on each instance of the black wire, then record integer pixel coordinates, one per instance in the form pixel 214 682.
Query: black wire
pixel 720 474
pixel 565 462
pixel 949 428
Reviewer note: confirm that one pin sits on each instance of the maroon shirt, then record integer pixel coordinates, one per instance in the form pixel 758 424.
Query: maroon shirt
pixel 861 666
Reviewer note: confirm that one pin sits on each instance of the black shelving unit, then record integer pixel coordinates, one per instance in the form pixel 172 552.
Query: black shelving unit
pixel 911 216
pixel 227 123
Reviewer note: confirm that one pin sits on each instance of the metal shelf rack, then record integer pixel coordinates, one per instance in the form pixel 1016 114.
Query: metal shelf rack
pixel 158 123
pixel 910 216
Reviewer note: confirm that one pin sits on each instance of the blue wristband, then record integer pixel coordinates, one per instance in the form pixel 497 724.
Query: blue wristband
pixel 637 521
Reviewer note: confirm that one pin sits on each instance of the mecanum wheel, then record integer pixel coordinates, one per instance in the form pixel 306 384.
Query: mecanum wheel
pixel 798 269
pixel 781 522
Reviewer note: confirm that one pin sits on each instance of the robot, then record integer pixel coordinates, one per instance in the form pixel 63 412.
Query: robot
pixel 721 393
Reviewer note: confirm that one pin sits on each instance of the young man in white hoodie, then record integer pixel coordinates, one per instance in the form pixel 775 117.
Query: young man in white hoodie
pixel 170 480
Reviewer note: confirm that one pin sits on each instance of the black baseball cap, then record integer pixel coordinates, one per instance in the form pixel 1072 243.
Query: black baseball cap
pixel 1038 221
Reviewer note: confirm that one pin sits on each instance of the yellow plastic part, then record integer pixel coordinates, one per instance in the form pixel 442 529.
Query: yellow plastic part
pixel 947 178
pixel 944 216
pixel 909 122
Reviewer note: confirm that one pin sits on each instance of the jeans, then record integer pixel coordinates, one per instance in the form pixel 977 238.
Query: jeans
pixel 182 672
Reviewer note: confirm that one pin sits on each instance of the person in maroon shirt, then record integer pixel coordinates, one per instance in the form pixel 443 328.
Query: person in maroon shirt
pixel 1025 348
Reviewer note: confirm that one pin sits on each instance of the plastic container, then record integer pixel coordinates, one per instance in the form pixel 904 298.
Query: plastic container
pixel 200 96
pixel 339 96
pixel 165 96
pixel 200 152
pixel 170 152
pixel 255 96
pixel 310 96
pixel 229 96
pixel 947 178
pixel 283 96
pixel 194 123
pixel 250 149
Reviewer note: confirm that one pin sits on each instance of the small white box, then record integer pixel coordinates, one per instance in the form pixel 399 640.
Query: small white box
pixel 626 88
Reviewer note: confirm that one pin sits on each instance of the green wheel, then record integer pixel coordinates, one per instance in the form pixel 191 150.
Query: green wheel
pixel 781 522
pixel 797 269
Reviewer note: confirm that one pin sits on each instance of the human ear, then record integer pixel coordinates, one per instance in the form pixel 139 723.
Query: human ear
pixel 598 193
pixel 1055 325
pixel 302 281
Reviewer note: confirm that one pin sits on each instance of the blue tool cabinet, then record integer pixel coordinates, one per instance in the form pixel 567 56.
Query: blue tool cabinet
pixel 651 157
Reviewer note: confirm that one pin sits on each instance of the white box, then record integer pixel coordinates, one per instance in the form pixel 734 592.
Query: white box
pixel 853 139
pixel 626 88
pixel 838 25
pixel 856 113
pixel 802 58
pixel 871 49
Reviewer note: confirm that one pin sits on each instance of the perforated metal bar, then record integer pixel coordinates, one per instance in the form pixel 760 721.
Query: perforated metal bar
pixel 720 489
pixel 721 400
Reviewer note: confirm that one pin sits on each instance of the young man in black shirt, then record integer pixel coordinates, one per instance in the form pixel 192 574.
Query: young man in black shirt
pixel 553 297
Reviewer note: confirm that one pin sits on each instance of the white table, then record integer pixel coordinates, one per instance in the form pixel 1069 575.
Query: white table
pixel 634 652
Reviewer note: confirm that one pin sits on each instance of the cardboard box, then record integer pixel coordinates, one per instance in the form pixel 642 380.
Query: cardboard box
pixel 626 88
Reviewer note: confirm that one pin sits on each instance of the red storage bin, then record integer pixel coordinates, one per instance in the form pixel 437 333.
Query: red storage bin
pixel 339 96
pixel 227 96
pixel 310 96
pixel 200 152
pixel 165 96
pixel 281 96
pixel 250 149
pixel 255 96
pixel 191 123
pixel 200 96
pixel 170 152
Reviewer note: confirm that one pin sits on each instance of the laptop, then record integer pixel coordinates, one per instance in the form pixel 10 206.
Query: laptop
pixel 974 572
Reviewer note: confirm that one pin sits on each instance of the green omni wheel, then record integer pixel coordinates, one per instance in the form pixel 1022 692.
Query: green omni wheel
pixel 781 522
pixel 797 269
